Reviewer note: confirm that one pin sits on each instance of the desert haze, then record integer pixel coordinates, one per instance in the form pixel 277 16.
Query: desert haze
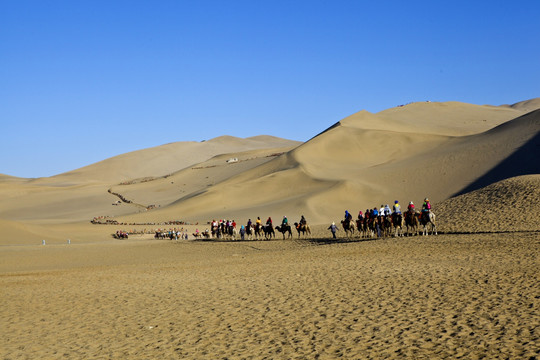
pixel 72 290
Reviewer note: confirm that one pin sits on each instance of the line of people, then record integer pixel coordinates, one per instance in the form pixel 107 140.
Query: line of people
pixel 228 227
pixel 384 217
pixel 385 210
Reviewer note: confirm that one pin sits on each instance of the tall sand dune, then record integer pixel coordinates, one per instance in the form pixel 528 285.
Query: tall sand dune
pixel 364 162
pixel 82 194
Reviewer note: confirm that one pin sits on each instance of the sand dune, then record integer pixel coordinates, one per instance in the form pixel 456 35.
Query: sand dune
pixel 83 194
pixel 527 105
pixel 452 118
pixel 506 206
pixel 166 159
pixel 364 161
pixel 196 178
pixel 428 149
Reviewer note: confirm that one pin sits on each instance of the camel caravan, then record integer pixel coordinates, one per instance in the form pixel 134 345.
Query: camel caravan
pixel 374 223
pixel 227 230
pixel 384 222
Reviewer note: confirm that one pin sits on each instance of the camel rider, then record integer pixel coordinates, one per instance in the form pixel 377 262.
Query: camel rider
pixel 381 210
pixel 387 210
pixel 397 207
pixel 303 221
pixel 249 223
pixel 375 212
pixel 258 221
pixel 426 208
pixel 284 222
pixel 360 216
pixel 269 221
pixel 348 216
pixel 411 207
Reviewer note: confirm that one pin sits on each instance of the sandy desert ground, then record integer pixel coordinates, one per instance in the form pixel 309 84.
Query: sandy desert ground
pixel 470 292
pixel 449 296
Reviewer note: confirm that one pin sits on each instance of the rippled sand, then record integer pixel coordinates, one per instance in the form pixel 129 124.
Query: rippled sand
pixel 449 296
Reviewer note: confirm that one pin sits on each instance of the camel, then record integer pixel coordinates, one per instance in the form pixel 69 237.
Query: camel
pixel 348 227
pixel 302 229
pixel 428 222
pixel 269 232
pixel 284 228
pixel 258 230
pixel 398 222
pixel 250 230
pixel 411 222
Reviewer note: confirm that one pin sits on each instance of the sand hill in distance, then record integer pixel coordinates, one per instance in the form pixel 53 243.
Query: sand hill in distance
pixel 423 149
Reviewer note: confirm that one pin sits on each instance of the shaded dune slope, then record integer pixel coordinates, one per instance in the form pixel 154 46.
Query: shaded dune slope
pixel 522 135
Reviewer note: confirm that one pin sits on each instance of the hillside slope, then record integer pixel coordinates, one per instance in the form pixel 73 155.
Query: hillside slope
pixel 365 161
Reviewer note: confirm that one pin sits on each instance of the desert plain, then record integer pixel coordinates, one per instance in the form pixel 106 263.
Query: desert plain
pixel 72 290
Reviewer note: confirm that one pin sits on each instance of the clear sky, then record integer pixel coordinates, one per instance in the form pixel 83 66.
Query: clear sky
pixel 81 81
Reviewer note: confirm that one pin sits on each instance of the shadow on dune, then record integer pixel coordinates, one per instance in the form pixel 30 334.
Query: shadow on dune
pixel 525 161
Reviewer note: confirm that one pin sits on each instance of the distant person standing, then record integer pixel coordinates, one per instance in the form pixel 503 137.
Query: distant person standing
pixel 333 228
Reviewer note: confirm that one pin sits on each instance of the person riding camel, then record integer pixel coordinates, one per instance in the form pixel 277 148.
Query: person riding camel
pixel 348 217
pixel 303 220
pixel 269 221
pixel 258 221
pixel 360 216
pixel 381 210
pixel 387 210
pixel 411 207
pixel 426 208
pixel 284 222
pixel 397 207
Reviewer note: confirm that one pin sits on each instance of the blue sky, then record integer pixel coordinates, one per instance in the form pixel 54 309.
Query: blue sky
pixel 81 81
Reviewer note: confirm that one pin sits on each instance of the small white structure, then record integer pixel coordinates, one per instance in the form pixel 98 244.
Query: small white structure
pixel 232 160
